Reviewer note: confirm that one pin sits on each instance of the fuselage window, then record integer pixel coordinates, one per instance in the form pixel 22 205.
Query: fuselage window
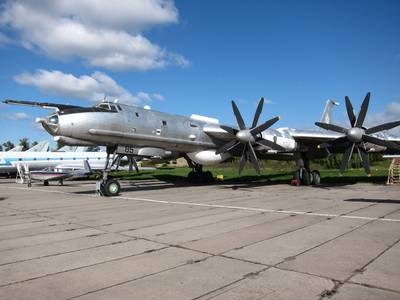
pixel 61 158
pixel 48 158
pixel 74 158
pixel 19 159
pixel 34 158
pixel 164 123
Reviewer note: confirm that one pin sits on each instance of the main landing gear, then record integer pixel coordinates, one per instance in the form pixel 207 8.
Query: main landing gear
pixel 197 175
pixel 303 175
pixel 110 187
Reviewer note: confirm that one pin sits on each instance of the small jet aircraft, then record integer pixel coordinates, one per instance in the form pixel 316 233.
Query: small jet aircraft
pixel 125 130
pixel 57 174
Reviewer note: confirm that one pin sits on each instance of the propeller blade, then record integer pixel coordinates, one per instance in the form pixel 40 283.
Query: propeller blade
pixel 267 143
pixel 229 129
pixel 258 112
pixel 238 116
pixel 264 126
pixel 384 143
pixel 331 127
pixel 350 111
pixel 362 152
pixel 346 158
pixel 227 147
pixel 363 111
pixel 253 158
pixel 385 126
pixel 242 159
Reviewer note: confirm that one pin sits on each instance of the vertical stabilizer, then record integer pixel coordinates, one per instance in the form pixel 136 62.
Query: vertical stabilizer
pixel 327 115
pixel 43 146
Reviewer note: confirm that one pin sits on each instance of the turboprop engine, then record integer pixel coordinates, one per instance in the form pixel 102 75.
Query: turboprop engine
pixel 208 157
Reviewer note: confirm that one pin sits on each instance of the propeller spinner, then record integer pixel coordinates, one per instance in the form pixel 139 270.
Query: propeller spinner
pixel 248 137
pixel 357 135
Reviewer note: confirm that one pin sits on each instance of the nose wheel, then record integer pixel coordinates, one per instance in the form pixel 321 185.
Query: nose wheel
pixel 110 188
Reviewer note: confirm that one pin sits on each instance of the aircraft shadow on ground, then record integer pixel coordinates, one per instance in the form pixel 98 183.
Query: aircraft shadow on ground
pixel 176 181
pixel 362 200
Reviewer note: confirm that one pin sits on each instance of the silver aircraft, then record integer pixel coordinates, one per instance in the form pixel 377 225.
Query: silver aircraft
pixel 133 132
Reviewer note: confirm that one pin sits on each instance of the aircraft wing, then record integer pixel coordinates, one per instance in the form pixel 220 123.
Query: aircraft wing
pixel 55 106
pixel 217 132
pixel 313 137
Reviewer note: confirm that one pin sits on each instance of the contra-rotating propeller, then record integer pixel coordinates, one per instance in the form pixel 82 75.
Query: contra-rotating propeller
pixel 247 137
pixel 357 135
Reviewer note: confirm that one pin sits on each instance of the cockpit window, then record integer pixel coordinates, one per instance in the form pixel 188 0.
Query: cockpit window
pixel 107 106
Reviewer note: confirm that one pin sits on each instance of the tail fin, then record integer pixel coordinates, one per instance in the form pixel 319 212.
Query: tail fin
pixel 86 167
pixel 327 115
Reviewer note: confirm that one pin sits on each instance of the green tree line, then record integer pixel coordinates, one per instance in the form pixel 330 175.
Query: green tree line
pixel 24 142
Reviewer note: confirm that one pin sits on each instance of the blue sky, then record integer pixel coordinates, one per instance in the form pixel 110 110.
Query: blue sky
pixel 189 57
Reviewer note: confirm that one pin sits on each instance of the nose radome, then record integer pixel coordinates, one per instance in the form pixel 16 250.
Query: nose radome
pixel 50 124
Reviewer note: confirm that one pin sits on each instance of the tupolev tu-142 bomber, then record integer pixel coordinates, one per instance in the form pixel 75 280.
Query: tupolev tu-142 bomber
pixel 203 141
pixel 195 150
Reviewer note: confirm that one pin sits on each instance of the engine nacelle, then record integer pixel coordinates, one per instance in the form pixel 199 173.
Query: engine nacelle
pixel 72 142
pixel 153 152
pixel 208 157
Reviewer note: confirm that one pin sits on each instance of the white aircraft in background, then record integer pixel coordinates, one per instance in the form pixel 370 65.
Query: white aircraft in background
pixel 16 149
pixel 43 146
pixel 9 161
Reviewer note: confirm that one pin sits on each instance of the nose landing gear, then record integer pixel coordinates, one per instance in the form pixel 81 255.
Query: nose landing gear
pixel 110 187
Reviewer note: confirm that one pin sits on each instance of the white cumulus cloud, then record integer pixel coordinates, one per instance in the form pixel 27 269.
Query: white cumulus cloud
pixel 17 116
pixel 104 33
pixel 390 114
pixel 94 87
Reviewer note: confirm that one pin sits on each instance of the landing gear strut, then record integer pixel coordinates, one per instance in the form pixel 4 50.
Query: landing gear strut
pixel 303 174
pixel 197 175
pixel 109 186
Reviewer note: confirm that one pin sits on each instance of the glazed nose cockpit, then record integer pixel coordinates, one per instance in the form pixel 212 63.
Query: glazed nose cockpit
pixel 51 123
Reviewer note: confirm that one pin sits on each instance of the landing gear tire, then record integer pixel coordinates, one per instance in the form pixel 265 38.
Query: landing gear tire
pixel 46 183
pixel 306 177
pixel 316 177
pixel 303 176
pixel 192 177
pixel 208 177
pixel 111 188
